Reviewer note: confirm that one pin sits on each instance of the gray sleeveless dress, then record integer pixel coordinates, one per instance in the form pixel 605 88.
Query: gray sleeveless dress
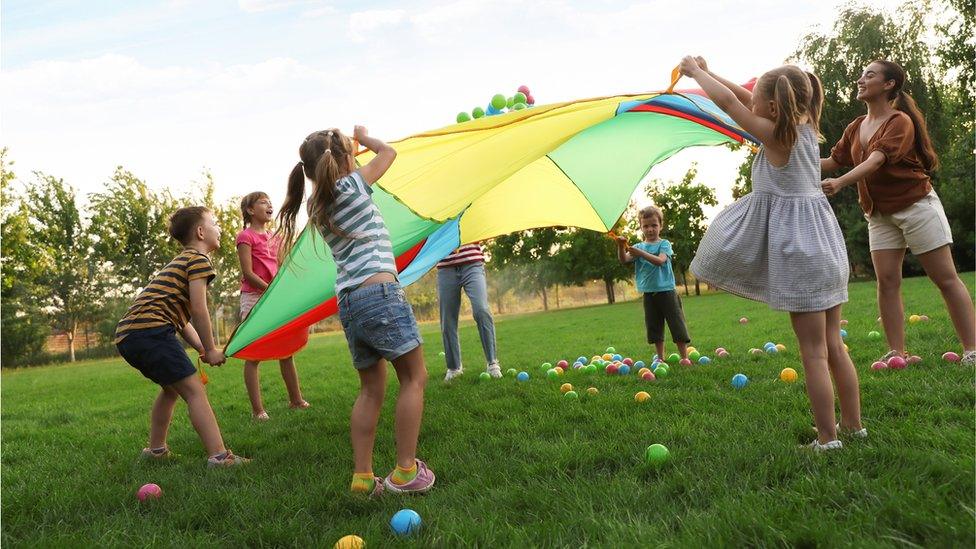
pixel 779 244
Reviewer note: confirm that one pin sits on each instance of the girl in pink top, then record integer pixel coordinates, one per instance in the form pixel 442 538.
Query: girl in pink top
pixel 257 251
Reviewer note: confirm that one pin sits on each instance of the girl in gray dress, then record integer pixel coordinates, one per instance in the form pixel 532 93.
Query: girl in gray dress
pixel 781 244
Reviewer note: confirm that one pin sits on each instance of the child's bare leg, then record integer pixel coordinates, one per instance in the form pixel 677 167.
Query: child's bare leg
pixel 366 414
pixel 290 376
pixel 682 348
pixel 412 373
pixel 810 329
pixel 659 347
pixel 253 384
pixel 202 417
pixel 844 373
pixel 162 416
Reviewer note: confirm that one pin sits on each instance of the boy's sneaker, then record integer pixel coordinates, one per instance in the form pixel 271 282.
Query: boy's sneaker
pixel 228 459
pixel 820 448
pixel 494 370
pixel 147 453
pixel 420 484
pixel 969 358
pixel 451 374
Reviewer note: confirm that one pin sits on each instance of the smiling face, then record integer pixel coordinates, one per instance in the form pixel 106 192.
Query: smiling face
pixel 208 232
pixel 261 211
pixel 873 83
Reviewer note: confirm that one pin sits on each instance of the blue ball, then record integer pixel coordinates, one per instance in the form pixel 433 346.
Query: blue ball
pixel 704 360
pixel 405 522
pixel 581 360
pixel 617 357
pixel 656 358
pixel 843 333
pixel 624 370
pixel 654 365
pixel 639 364
pixel 769 344
pixel 739 381
pixel 522 376
pixel 772 350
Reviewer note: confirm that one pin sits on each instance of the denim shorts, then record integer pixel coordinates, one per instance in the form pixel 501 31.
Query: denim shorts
pixel 378 323
pixel 157 354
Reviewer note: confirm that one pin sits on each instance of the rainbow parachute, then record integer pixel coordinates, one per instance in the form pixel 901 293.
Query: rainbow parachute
pixel 566 164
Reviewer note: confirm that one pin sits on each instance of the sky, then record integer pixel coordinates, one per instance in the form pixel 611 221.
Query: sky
pixel 168 89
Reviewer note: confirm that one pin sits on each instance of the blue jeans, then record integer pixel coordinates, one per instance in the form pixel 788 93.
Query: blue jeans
pixel 378 323
pixel 450 280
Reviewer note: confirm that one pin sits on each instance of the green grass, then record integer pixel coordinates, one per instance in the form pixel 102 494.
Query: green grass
pixel 517 464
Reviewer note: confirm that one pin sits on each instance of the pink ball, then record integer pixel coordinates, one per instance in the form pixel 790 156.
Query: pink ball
pixel 149 491
pixel 524 89
pixel 562 364
pixel 950 357
pixel 685 362
pixel 914 359
pixel 720 350
pixel 879 365
pixel 628 361
pixel 923 318
pixel 647 376
pixel 743 320
pixel 529 100
pixel 897 363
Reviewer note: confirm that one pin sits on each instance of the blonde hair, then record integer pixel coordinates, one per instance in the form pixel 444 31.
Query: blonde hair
pixel 796 94
pixel 651 211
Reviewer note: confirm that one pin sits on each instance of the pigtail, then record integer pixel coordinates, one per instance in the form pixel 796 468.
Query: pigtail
pixel 816 103
pixel 786 112
pixel 289 210
pixel 923 142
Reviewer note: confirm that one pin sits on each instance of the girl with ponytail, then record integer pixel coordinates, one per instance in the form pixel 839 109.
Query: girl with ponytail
pixel 892 156
pixel 375 315
pixel 781 244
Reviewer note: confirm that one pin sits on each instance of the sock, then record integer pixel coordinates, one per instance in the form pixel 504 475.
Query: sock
pixel 404 475
pixel 362 482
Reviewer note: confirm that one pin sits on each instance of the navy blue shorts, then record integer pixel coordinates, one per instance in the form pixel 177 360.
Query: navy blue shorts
pixel 378 323
pixel 157 354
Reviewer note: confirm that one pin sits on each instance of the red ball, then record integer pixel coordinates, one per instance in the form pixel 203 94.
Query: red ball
pixel 647 376
pixel 897 363
pixel 562 364
pixel 529 99
pixel 611 369
pixel 628 361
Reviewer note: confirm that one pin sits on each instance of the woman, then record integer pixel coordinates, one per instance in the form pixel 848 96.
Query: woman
pixel 892 156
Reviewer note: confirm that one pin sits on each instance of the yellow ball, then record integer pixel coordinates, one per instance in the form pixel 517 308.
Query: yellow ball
pixel 350 542
pixel 846 348
pixel 641 396
pixel 565 388
pixel 788 375
pixel 608 356
pixel 691 349
pixel 642 370
pixel 592 391
pixel 914 318
pixel 780 347
pixel 559 370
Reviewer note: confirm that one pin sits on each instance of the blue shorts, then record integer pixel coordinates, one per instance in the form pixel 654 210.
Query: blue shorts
pixel 378 323
pixel 157 354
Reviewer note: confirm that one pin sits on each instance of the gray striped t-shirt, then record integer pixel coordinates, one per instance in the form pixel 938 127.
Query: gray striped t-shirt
pixel 366 248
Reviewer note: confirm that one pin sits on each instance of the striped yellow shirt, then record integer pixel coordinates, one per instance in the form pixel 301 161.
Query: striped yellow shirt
pixel 166 299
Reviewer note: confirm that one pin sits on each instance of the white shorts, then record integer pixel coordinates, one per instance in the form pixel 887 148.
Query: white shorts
pixel 248 299
pixel 921 227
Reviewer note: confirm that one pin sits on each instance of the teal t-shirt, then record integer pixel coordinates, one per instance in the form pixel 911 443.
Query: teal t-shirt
pixel 650 277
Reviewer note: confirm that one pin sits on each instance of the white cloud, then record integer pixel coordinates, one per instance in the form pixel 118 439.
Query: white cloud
pixel 362 24
pixel 255 6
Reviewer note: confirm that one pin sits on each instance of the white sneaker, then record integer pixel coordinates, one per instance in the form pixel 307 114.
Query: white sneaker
pixel 494 370
pixel 861 433
pixel 891 354
pixel 451 374
pixel 820 448
pixel 969 358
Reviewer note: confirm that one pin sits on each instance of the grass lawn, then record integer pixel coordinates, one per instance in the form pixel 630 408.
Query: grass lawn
pixel 517 464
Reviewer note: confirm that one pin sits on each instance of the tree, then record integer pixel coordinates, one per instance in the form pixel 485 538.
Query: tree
pixel 531 254
pixel 684 217
pixel 587 255
pixel 70 281
pixel 24 326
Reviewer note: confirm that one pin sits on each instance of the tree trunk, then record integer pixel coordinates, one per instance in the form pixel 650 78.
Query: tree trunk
pixel 556 293
pixel 70 332
pixel 611 297
pixel 545 300
pixel 697 288
pixel 684 280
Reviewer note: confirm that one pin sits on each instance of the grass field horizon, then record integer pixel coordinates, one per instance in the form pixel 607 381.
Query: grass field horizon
pixel 517 464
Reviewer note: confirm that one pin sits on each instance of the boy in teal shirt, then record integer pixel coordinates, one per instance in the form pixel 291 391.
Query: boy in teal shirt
pixel 655 280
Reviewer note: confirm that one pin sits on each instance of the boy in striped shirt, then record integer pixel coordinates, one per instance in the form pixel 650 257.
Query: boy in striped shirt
pixel 176 299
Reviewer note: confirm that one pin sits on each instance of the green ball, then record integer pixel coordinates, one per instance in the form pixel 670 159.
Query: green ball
pixel 662 371
pixel 611 350
pixel 546 365
pixel 463 117
pixel 591 368
pixel 570 395
pixel 478 112
pixel 519 97
pixel 656 455
pixel 509 102
pixel 518 106
pixel 874 334
pixel 694 356
pixel 511 372
pixel 498 101
pixel 673 358
pixel 484 376
pixel 551 373
pixel 440 353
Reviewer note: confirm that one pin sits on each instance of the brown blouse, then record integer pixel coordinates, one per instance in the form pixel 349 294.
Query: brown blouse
pixel 901 181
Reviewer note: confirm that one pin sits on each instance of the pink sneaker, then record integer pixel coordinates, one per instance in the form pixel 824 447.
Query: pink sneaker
pixel 422 483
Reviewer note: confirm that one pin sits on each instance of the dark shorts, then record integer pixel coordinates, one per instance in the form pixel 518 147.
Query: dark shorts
pixel 378 323
pixel 157 354
pixel 660 307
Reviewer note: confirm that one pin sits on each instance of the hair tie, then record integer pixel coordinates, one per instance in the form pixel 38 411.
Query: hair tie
pixel 329 134
pixel 300 163
pixel 327 151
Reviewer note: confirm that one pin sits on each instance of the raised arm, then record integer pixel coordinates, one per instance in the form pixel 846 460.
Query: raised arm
pixel 622 254
pixel 743 95
pixel 385 155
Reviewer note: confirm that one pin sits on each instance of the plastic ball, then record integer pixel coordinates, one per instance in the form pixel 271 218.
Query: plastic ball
pixel 739 381
pixel 592 391
pixel 351 541
pixel 149 491
pixel 694 356
pixel 571 395
pixel 498 101
pixel 551 373
pixel 662 371
pixel 559 371
pixel 405 522
pixel 510 102
pixel 772 350
pixel 685 362
pixel 611 369
pixel 546 365
pixel 656 455
pixel 623 369
pixel 522 376
pixel 879 366
pixel 639 364
pixel 914 318
pixel 641 396
pixel 581 360
pixel 617 357
pixel 647 376
pixel 923 318
pixel 462 117
pixel 780 347
pixel 523 89
pixel 788 375
pixel 768 344
pixel 673 358
pixel 897 363
pixel 719 350
pixel 607 356
pixel 704 360
pixel 511 372
pixel 519 97
pixel 478 112
pixel 591 369
pixel 743 320
pixel 950 357
pixel 843 333
pixel 843 322
pixel 628 361
pixel 529 100
pixel 846 348
pixel 440 353
pixel 755 351
pixel 610 350
pixel 722 354
pixel 914 359
pixel 691 348
pixel 642 370
pixel 562 364
pixel 565 387
pixel 484 376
